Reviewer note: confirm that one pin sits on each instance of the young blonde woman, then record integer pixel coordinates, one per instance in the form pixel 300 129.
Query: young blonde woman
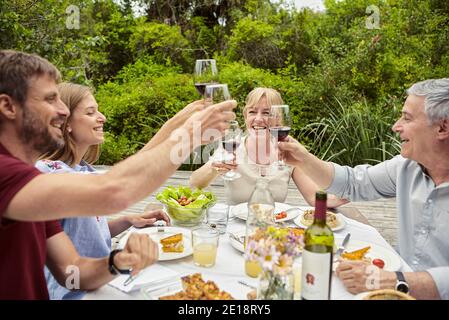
pixel 257 150
pixel 83 135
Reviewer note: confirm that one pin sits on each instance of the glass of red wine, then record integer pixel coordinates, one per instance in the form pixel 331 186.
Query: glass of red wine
pixel 205 73
pixel 280 125
pixel 230 142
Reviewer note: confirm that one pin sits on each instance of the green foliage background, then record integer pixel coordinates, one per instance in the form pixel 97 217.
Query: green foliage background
pixel 344 82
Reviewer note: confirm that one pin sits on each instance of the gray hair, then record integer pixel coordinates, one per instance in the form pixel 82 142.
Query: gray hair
pixel 436 93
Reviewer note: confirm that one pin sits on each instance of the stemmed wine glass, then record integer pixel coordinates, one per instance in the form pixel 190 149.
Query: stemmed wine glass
pixel 280 124
pixel 205 73
pixel 230 142
pixel 215 93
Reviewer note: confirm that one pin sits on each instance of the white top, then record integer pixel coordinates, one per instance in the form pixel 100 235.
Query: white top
pixel 240 189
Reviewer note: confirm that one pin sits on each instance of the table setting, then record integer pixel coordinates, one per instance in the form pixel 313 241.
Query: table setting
pixel 227 269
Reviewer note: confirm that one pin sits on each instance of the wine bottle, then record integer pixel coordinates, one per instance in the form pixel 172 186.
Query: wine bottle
pixel 260 216
pixel 317 255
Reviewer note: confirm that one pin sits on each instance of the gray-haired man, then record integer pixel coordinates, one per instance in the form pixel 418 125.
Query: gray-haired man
pixel 418 178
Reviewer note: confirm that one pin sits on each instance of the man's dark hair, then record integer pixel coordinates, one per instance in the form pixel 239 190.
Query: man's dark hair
pixel 16 70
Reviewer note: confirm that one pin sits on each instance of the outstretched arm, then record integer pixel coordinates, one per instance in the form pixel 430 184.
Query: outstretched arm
pixel 174 123
pixel 51 197
pixel 308 188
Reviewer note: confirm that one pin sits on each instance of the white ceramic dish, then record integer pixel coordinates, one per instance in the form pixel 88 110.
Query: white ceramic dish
pixel 236 244
pixel 298 220
pixel 241 211
pixel 158 233
pixel 391 258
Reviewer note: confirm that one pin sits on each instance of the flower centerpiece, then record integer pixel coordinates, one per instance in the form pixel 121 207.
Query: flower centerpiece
pixel 275 249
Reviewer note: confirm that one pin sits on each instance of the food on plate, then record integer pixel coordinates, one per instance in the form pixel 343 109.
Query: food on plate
pixel 296 231
pixel 360 255
pixel 184 205
pixel 281 215
pixel 195 288
pixel 331 218
pixel 173 243
pixel 379 263
pixel 387 294
pixel 357 254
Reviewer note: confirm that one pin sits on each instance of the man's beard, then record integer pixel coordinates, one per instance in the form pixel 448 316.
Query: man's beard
pixel 36 134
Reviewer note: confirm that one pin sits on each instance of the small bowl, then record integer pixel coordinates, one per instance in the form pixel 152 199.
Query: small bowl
pixel 187 217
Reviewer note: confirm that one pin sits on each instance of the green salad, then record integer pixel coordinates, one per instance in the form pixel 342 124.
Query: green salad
pixel 185 204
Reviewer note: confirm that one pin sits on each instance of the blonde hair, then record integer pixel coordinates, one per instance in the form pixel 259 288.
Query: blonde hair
pixel 273 97
pixel 72 94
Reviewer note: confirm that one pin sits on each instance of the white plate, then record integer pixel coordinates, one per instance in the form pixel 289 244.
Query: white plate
pixel 391 259
pixel 340 219
pixel 234 243
pixel 241 211
pixel 156 235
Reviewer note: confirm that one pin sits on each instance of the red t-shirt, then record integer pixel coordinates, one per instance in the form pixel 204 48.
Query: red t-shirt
pixel 22 244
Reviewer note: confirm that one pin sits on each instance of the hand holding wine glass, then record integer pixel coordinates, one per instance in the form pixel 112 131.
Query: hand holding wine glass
pixel 280 125
pixel 205 73
pixel 229 144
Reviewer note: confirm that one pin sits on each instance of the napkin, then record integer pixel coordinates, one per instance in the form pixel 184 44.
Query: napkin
pixel 154 275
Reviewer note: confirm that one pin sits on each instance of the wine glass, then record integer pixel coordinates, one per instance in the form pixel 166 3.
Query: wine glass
pixel 205 73
pixel 280 125
pixel 230 142
pixel 215 93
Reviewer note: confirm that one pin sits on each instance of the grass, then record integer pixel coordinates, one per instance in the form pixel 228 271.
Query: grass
pixel 353 134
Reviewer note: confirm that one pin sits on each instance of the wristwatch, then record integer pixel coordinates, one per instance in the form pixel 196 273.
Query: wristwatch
pixel 112 268
pixel 401 284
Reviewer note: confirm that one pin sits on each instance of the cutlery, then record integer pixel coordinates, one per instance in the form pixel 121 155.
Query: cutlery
pixel 130 279
pixel 342 247
pixel 240 239
pixel 247 285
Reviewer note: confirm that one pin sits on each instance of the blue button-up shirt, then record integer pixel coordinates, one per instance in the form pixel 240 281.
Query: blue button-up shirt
pixel 423 210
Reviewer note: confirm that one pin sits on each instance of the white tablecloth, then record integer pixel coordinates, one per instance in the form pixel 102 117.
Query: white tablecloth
pixel 229 267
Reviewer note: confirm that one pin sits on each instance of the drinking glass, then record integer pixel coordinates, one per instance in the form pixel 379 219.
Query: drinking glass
pixel 205 243
pixel 230 142
pixel 280 124
pixel 205 73
pixel 215 93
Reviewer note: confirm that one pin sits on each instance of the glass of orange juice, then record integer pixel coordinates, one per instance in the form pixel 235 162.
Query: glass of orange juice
pixel 205 243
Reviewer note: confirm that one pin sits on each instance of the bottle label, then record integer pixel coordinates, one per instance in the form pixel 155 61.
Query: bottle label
pixel 316 275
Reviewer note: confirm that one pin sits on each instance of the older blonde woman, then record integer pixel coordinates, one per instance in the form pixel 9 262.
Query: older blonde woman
pixel 255 151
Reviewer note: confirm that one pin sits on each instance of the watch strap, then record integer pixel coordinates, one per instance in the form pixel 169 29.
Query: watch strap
pixel 401 283
pixel 400 276
pixel 111 266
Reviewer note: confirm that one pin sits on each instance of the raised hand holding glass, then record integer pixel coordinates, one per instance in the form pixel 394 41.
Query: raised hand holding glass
pixel 280 125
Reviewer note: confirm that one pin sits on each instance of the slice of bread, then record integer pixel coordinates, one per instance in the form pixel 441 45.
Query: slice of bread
pixel 172 239
pixel 173 243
